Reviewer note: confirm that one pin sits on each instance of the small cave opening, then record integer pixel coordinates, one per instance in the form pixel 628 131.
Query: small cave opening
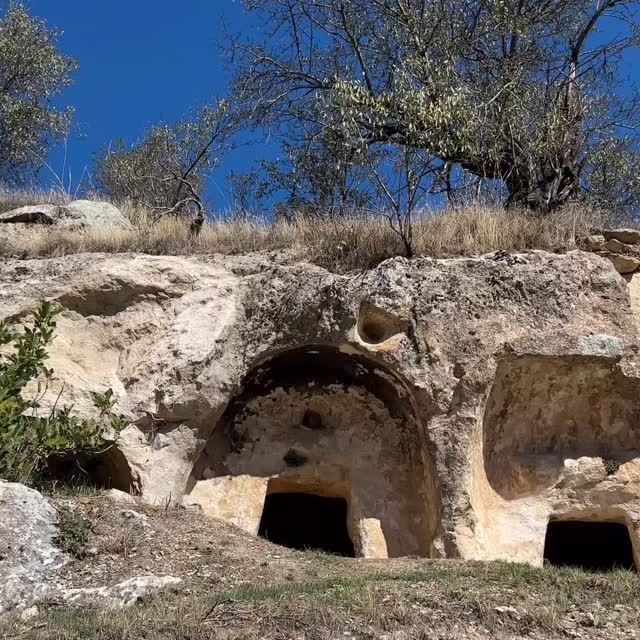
pixel 592 546
pixel 376 325
pixel 106 470
pixel 306 521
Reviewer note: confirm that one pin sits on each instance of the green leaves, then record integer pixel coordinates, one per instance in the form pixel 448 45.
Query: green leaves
pixel 32 73
pixel 29 441
pixel 148 173
pixel 515 96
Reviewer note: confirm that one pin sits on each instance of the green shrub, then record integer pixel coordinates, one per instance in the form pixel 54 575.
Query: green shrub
pixel 73 532
pixel 29 442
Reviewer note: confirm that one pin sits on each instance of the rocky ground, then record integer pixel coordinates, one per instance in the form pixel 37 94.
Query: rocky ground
pixel 227 584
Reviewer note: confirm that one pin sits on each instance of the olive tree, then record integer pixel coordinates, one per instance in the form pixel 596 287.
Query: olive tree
pixel 168 168
pixel 526 93
pixel 33 71
pixel 318 175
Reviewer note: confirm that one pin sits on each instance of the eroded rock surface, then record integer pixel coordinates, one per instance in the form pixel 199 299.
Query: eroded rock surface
pixel 457 406
pixel 28 553
pixel 79 214
pixel 618 245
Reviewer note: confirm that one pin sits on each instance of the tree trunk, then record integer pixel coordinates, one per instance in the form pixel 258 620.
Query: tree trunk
pixel 545 192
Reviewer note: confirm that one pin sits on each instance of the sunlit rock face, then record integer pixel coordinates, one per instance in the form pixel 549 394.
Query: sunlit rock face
pixel 448 408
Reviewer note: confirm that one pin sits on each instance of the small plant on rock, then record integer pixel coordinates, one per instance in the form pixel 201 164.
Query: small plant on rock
pixel 29 442
pixel 73 532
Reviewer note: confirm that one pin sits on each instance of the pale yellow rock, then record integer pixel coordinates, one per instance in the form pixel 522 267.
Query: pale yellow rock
pixel 628 236
pixel 236 499
pixel 455 406
pixel 623 264
pixel 372 540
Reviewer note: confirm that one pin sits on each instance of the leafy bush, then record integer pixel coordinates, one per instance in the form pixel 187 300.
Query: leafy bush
pixel 73 532
pixel 33 72
pixel 28 441
pixel 168 168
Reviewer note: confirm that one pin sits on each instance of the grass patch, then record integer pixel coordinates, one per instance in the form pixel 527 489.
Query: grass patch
pixel 503 599
pixel 77 486
pixel 338 244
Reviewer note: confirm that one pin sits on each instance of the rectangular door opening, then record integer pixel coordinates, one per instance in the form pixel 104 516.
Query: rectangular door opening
pixel 306 521
pixel 592 546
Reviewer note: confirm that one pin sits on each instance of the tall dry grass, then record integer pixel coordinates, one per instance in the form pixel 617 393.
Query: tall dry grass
pixel 339 244
pixel 22 197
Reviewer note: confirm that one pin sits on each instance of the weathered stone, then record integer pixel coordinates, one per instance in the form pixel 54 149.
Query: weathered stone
pixel 135 519
pixel 80 214
pixel 454 405
pixel 628 236
pixel 602 346
pixel 625 257
pixel 623 264
pixel 91 214
pixel 29 559
pixel 120 596
pixel 28 554
pixel 47 214
pixel 615 246
pixel 591 243
pixel 119 497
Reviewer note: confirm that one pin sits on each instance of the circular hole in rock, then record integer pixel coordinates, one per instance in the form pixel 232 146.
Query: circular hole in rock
pixel 376 325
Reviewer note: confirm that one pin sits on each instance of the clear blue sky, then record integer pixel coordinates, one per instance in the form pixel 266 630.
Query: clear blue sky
pixel 141 61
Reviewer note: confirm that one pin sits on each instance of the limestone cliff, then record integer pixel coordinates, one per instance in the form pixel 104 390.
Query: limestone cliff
pixel 455 405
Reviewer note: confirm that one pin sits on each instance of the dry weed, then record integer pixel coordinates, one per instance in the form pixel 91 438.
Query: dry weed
pixel 23 197
pixel 338 244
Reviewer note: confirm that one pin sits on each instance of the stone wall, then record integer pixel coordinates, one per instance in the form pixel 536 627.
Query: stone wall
pixel 456 405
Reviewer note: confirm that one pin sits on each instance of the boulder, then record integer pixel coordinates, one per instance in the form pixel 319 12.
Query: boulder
pixel 625 257
pixel 615 246
pixel 28 554
pixel 47 214
pixel 623 264
pixel 91 214
pixel 29 560
pixel 80 214
pixel 627 236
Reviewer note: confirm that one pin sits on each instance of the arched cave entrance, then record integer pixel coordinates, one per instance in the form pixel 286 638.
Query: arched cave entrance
pixel 306 521
pixel 545 409
pixel 106 470
pixel 318 421
pixel 593 546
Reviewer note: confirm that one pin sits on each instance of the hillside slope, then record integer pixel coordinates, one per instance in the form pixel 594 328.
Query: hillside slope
pixel 237 586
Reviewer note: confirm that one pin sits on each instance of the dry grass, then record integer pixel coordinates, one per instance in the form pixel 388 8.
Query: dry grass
pixel 435 600
pixel 341 244
pixel 239 587
pixel 20 198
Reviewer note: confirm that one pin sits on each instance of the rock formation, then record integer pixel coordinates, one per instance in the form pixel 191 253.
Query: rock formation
pixel 455 407
pixel 30 559
pixel 79 214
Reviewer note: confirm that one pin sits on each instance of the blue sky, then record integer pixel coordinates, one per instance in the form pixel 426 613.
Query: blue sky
pixel 141 61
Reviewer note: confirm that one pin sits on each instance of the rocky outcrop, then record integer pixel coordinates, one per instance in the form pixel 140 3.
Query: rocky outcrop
pixel 455 406
pixel 79 214
pixel 621 246
pixel 122 595
pixel 28 553
pixel 30 560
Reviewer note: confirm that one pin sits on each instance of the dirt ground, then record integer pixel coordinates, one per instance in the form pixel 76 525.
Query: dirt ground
pixel 235 586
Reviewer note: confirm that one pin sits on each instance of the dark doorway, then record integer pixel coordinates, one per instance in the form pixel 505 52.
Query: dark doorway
pixel 593 546
pixel 306 521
